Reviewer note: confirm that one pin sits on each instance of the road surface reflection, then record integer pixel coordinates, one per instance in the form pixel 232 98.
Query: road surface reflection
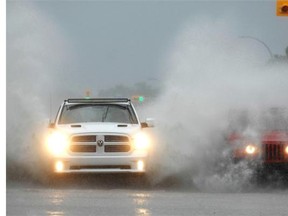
pixel 141 200
pixel 55 199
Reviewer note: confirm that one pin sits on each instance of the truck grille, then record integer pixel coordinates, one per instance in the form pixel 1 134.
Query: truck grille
pixel 273 152
pixel 83 148
pixel 83 143
pixel 84 138
pixel 100 167
pixel 116 138
pixel 117 148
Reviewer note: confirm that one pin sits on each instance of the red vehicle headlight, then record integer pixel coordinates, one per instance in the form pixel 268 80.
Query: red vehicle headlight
pixel 286 149
pixel 250 149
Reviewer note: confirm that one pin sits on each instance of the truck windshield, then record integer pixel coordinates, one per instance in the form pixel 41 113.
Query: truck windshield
pixel 97 113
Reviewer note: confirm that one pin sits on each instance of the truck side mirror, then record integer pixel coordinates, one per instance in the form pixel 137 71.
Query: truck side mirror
pixel 51 125
pixel 144 125
pixel 148 123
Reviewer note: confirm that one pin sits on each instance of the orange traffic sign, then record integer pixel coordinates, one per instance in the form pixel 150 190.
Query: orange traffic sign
pixel 282 7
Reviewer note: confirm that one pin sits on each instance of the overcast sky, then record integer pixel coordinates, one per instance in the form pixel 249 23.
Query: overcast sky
pixel 104 43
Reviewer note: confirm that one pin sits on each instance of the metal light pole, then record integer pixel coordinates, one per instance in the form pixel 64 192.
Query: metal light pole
pixel 260 41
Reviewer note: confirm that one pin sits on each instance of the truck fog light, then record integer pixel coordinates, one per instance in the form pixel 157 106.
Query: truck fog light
pixel 286 149
pixel 59 166
pixel 140 165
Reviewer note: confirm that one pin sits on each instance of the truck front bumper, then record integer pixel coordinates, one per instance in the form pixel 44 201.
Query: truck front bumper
pixel 100 164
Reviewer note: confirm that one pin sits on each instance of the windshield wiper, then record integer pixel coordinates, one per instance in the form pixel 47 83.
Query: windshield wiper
pixel 105 114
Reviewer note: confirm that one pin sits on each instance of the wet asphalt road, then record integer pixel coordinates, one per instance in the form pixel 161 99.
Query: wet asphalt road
pixel 96 198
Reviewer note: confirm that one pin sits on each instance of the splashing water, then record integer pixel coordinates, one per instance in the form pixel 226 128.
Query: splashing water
pixel 210 73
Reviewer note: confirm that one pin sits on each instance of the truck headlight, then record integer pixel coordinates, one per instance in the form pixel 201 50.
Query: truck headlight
pixel 250 149
pixel 141 141
pixel 57 143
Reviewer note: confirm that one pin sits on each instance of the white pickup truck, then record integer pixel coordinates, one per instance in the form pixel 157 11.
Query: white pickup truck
pixel 98 135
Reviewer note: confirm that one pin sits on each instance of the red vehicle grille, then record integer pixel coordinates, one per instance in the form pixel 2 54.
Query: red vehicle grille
pixel 273 152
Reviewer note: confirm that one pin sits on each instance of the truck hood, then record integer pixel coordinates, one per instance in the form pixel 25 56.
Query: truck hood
pixel 266 137
pixel 99 127
pixel 274 136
